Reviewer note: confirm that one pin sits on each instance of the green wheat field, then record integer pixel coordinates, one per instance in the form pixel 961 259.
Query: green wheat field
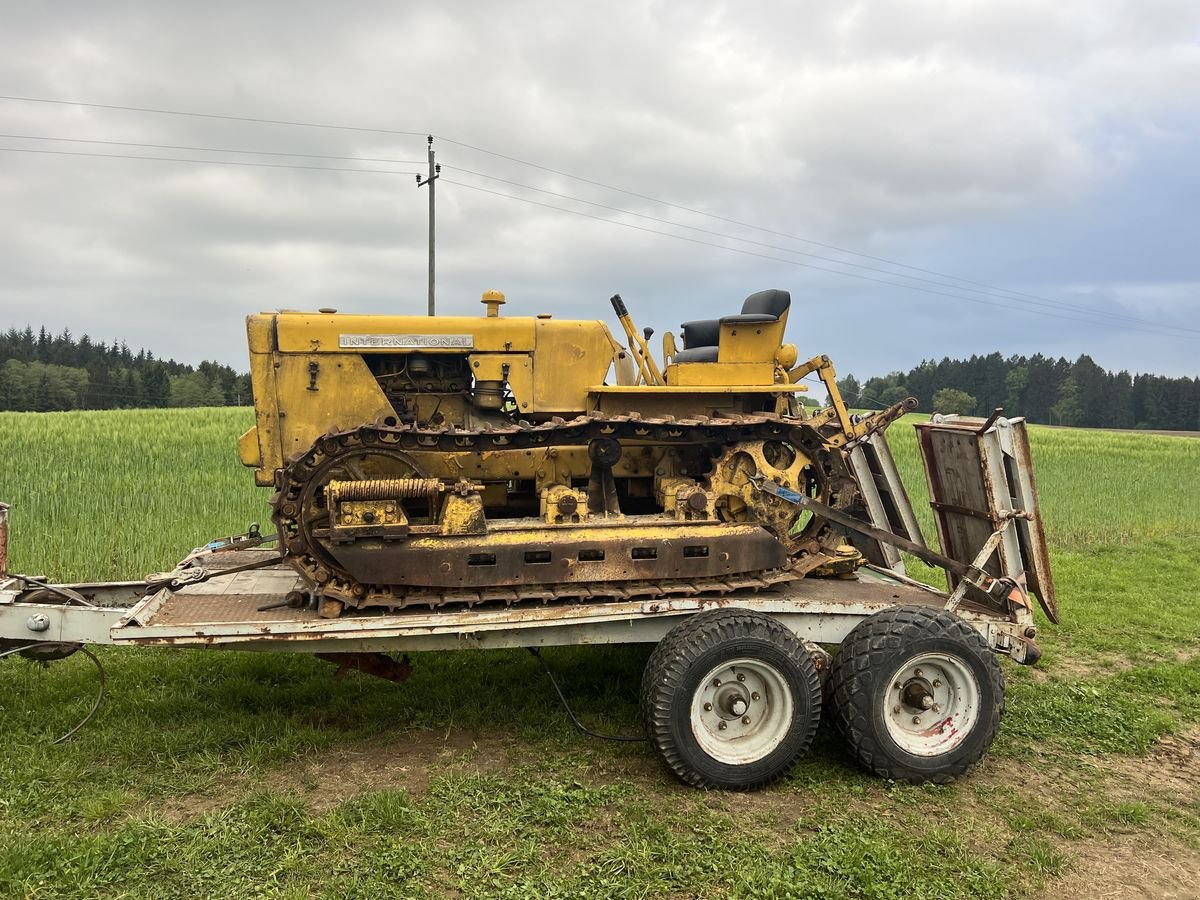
pixel 236 774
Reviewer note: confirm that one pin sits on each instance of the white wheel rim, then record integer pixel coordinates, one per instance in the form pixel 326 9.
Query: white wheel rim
pixel 931 704
pixel 741 711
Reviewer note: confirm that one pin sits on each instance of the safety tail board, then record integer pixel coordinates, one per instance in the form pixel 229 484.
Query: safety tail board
pixel 980 472
pixel 888 506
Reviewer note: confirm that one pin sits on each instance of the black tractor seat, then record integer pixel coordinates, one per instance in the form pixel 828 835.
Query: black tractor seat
pixel 701 338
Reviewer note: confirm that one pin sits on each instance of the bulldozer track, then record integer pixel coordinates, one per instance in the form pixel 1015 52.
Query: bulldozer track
pixel 725 435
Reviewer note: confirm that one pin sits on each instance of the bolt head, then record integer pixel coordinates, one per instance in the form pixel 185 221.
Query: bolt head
pixel 721 726
pixel 898 686
pixel 937 684
pixel 741 677
pixel 708 707
pixel 754 695
pixel 937 707
pixel 917 672
pixel 916 720
pixel 716 682
pixel 745 720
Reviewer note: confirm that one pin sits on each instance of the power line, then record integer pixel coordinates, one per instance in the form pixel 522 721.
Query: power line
pixel 1012 294
pixel 783 234
pixel 199 115
pixel 38 137
pixel 985 292
pixel 1167 330
pixel 840 262
pixel 203 162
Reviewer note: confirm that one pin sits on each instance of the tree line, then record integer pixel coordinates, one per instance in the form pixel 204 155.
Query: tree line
pixel 41 372
pixel 1044 390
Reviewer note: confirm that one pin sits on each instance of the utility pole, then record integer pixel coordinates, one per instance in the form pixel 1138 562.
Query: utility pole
pixel 434 172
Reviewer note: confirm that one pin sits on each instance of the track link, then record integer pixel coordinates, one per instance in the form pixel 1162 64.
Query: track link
pixel 295 483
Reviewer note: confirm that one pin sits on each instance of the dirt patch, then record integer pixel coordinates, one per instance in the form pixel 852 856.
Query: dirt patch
pixel 177 810
pixel 407 763
pixel 333 776
pixel 1129 870
pixel 1171 769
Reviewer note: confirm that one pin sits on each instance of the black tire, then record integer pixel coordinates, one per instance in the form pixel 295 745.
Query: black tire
pixel 909 646
pixel 781 716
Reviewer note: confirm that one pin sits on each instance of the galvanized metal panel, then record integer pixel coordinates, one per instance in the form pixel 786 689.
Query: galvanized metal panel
pixel 980 472
pixel 887 501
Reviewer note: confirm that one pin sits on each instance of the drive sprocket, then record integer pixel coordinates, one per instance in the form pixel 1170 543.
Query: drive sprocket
pixel 820 473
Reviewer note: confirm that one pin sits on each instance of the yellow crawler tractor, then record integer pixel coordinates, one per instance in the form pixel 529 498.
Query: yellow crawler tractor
pixel 503 460
pixel 488 482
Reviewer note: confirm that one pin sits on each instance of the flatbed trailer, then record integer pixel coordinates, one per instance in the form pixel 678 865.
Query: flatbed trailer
pixel 736 685
pixel 247 610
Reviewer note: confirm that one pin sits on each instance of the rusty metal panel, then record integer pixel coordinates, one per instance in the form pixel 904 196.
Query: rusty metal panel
pixel 980 473
pixel 886 499
pixel 548 555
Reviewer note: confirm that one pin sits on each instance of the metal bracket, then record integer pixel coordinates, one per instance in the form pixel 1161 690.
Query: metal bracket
pixel 971 575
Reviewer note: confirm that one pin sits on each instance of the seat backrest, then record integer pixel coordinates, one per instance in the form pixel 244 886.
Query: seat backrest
pixel 769 303
pixel 701 333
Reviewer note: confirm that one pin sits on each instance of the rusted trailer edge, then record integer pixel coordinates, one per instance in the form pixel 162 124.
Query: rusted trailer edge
pixel 826 620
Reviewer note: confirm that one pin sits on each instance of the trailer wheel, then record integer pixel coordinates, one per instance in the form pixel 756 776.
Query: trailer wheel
pixel 917 694
pixel 730 699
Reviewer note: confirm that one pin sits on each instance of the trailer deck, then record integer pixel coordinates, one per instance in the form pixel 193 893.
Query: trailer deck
pixel 227 611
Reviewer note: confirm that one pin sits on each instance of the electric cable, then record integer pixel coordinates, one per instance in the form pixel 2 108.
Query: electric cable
pixel 983 288
pixel 1166 330
pixel 1066 307
pixel 203 162
pixel 571 713
pixel 39 137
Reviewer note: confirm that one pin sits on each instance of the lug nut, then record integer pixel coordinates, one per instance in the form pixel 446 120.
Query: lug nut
pixel 708 707
pixel 896 708
pixel 716 682
pixel 722 726
pixel 754 695
pixel 898 686
pixel 937 707
pixel 917 672
pixel 741 677
pixel 916 720
pixel 937 684
pixel 745 720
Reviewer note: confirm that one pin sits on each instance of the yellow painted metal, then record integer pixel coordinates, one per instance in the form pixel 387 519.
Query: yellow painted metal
pixel 315 333
pixel 680 391
pixel 493 300
pixel 515 368
pixel 260 332
pixel 837 410
pixel 571 357
pixel 731 374
pixel 651 375
pixel 248 450
pixel 741 343
pixel 312 372
pixel 345 395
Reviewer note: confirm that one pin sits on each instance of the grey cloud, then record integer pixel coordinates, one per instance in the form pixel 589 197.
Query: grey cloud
pixel 928 133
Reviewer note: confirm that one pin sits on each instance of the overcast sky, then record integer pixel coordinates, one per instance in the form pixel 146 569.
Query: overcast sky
pixel 1044 154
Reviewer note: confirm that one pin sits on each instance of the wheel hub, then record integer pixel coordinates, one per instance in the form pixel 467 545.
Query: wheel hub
pixel 933 704
pixel 742 711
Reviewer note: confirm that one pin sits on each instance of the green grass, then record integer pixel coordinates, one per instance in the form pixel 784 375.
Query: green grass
pixel 1097 488
pixel 236 774
pixel 118 494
